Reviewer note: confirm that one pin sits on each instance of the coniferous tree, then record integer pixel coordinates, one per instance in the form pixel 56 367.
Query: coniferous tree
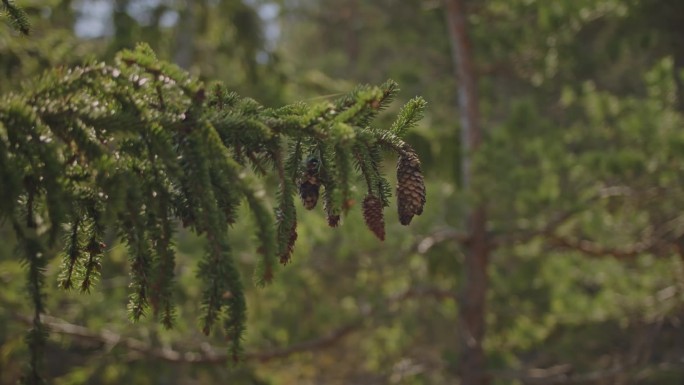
pixel 139 146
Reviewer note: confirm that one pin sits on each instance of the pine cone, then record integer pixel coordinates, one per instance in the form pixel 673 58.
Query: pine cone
pixel 410 186
pixel 310 183
pixel 372 214
pixel 309 193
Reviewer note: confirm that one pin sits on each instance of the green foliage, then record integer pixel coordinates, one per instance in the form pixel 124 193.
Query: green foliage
pixel 409 116
pixel 34 257
pixel 137 146
pixel 16 15
pixel 581 109
pixel 582 125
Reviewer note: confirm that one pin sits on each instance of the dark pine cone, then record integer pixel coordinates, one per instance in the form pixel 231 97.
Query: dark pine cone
pixel 410 186
pixel 372 214
pixel 309 193
pixel 310 184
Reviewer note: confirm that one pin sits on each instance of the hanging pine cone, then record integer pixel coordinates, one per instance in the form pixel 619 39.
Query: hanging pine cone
pixel 309 183
pixel 372 214
pixel 309 193
pixel 410 186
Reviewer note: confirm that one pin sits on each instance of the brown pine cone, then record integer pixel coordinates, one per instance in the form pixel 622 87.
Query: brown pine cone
pixel 372 214
pixel 309 193
pixel 310 183
pixel 410 186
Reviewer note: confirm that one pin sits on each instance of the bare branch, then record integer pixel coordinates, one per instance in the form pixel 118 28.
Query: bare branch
pixel 562 374
pixel 214 355
pixel 422 292
pixel 526 236
pixel 548 377
pixel 326 341
pixel 423 245
pixel 207 355
pixel 594 249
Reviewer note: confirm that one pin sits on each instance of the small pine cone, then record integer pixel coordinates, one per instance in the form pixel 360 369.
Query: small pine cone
pixel 372 214
pixel 410 186
pixel 310 183
pixel 309 193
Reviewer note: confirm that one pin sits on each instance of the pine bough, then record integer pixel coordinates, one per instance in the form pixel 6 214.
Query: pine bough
pixel 139 146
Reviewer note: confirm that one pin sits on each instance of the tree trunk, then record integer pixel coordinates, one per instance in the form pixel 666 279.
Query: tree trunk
pixel 475 280
pixel 678 64
pixel 353 33
pixel 185 36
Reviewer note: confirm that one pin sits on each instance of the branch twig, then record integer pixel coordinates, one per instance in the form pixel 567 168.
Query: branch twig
pixel 526 236
pixel 594 249
pixel 213 355
pixel 423 245
pixel 561 374
pixel 207 355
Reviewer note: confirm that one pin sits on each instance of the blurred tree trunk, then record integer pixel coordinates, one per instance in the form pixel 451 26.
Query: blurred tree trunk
pixel 475 280
pixel 677 33
pixel 352 16
pixel 185 36
pixel 666 18
pixel 125 27
pixel 63 14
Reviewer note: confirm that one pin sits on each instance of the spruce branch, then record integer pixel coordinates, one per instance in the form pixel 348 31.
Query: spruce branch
pixel 135 234
pixel 161 230
pixel 10 174
pixel 17 17
pixel 72 253
pixel 265 233
pixel 161 292
pixel 32 252
pixel 409 116
pixel 140 145
pixel 94 248
pixel 286 214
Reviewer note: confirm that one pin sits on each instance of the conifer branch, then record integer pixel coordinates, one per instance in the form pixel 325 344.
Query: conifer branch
pixel 593 249
pixel 71 254
pixel 94 248
pixel 18 18
pixel 160 225
pixel 164 263
pixel 33 254
pixel 140 144
pixel 139 253
pixel 286 214
pixel 330 176
pixel 409 116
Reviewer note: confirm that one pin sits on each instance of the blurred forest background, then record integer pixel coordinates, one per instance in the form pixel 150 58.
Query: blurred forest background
pixel 580 172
